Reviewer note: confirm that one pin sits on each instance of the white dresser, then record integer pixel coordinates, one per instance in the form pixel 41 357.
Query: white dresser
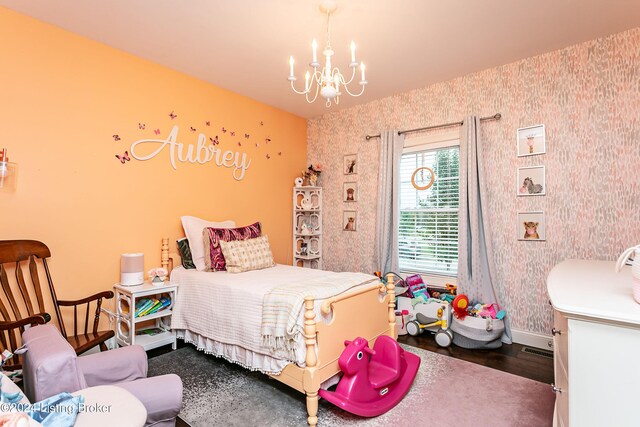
pixel 597 345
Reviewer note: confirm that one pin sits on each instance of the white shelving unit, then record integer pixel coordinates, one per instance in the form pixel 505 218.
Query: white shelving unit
pixel 126 323
pixel 307 241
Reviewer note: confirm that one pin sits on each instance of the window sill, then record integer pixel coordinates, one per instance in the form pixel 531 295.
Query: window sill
pixel 432 279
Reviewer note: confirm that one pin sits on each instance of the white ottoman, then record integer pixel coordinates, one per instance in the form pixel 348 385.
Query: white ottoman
pixel 108 405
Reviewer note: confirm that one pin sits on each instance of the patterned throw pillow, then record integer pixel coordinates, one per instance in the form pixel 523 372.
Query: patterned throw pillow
pixel 246 255
pixel 193 227
pixel 214 259
pixel 185 253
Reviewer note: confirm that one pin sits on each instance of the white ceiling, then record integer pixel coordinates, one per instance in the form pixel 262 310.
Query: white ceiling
pixel 244 45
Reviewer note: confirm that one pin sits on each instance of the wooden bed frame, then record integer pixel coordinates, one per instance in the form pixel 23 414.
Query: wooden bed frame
pixel 354 314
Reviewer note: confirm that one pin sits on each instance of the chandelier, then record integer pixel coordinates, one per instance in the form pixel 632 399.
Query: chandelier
pixel 328 81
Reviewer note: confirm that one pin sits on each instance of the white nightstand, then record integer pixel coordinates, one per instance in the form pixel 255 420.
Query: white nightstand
pixel 126 298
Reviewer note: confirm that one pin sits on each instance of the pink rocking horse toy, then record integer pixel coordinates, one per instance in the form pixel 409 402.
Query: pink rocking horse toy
pixel 374 381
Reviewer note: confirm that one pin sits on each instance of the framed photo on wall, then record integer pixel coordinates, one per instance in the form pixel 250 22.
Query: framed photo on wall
pixel 531 226
pixel 531 181
pixel 350 192
pixel 349 221
pixel 531 141
pixel 350 166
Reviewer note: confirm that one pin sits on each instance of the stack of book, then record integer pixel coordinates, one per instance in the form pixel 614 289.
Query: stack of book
pixel 146 306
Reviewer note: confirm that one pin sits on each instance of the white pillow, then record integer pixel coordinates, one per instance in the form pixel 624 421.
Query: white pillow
pixel 193 227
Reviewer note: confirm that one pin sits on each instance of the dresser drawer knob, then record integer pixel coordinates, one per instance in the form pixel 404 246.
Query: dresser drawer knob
pixel 556 389
pixel 555 332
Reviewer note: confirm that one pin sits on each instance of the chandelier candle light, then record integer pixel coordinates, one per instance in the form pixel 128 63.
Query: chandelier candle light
pixel 329 80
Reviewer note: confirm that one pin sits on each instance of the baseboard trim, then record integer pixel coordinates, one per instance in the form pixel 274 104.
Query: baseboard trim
pixel 531 339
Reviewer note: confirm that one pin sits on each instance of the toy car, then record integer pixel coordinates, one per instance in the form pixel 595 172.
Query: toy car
pixel 443 336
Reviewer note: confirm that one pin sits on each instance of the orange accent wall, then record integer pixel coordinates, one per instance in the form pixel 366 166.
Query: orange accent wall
pixel 64 96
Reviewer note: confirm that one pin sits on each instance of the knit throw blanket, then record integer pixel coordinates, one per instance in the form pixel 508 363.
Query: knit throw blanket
pixel 282 305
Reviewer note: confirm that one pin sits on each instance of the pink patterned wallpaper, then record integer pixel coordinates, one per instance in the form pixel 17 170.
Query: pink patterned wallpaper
pixel 588 97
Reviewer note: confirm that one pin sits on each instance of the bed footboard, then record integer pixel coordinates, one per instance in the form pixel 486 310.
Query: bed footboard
pixel 311 360
pixel 354 314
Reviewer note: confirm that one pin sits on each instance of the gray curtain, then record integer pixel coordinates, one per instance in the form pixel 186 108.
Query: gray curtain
pixel 476 268
pixel 388 211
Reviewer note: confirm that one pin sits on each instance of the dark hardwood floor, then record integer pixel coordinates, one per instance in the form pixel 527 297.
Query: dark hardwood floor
pixel 509 358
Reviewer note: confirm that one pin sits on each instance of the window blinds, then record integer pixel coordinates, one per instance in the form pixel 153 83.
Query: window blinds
pixel 428 232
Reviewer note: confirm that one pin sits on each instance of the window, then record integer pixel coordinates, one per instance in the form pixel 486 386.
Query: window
pixel 428 232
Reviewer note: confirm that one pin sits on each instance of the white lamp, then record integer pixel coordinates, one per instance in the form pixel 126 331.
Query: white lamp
pixel 132 269
pixel 8 172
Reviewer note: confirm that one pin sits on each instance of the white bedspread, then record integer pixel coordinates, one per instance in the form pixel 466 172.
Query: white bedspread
pixel 221 313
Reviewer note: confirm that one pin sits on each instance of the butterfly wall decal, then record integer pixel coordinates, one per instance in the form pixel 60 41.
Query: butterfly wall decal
pixel 268 156
pixel 224 130
pixel 257 145
pixel 215 140
pixel 124 158
pixel 208 123
pixel 267 140
pixel 246 135
pixel 261 123
pixel 116 137
pixel 141 126
pixel 157 131
pixel 239 144
pixel 192 128
pixel 279 153
pixel 233 133
pixel 173 116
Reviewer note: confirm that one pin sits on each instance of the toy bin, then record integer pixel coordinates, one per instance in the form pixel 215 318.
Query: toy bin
pixel 477 332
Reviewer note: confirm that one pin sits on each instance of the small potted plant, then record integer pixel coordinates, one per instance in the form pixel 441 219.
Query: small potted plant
pixel 157 275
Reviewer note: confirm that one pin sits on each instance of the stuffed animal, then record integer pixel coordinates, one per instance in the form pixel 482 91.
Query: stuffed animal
pixel 305 229
pixel 460 305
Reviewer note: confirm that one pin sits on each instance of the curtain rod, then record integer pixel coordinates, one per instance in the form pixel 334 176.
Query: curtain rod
pixel 496 116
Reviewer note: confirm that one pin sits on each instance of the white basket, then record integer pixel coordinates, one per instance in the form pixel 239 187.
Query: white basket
pixel 478 328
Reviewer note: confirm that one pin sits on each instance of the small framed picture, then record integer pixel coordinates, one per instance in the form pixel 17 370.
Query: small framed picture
pixel 531 181
pixel 349 221
pixel 531 141
pixel 350 192
pixel 531 226
pixel 350 166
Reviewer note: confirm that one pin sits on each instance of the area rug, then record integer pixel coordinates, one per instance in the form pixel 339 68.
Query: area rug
pixel 447 392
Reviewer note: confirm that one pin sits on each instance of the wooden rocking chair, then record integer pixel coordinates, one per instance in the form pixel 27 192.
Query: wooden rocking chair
pixel 14 255
pixel 10 333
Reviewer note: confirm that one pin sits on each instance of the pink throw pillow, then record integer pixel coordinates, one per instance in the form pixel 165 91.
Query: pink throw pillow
pixel 212 236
